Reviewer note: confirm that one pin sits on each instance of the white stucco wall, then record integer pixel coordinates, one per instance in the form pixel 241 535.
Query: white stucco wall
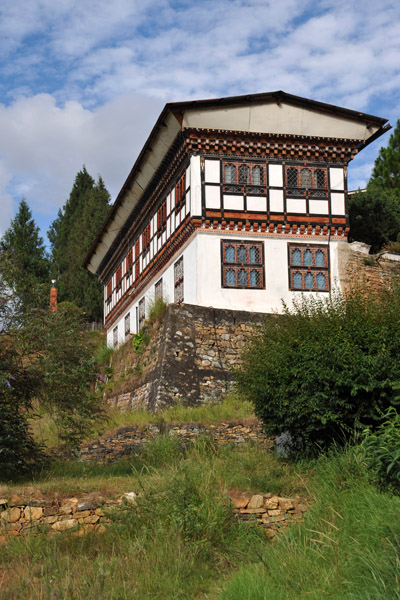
pixel 202 277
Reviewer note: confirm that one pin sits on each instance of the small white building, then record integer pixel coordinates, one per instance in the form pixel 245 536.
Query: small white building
pixel 236 203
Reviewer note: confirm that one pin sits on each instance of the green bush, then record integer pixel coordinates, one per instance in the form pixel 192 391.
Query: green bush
pixel 140 341
pixel 382 451
pixel 325 368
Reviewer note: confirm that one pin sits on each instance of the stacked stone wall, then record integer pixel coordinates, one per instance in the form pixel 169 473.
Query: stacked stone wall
pixel 132 440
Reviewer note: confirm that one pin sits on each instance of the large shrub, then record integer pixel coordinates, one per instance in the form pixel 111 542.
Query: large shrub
pixel 325 368
pixel 382 451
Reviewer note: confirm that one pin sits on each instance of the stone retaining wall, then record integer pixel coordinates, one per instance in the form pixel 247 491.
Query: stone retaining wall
pixel 132 440
pixel 189 358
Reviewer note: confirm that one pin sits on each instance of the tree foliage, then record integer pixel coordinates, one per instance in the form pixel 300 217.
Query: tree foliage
pixel 29 275
pixel 374 217
pixel 326 368
pixel 375 214
pixel 45 361
pixel 71 236
pixel 386 171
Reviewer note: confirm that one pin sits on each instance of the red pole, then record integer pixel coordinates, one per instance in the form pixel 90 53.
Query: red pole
pixel 53 298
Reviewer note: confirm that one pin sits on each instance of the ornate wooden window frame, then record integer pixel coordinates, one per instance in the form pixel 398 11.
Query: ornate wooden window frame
pixel 239 268
pixel 162 218
pixel 141 312
pixel 146 239
pixel 158 290
pixel 295 184
pixel 127 324
pixel 180 192
pixel 306 268
pixel 244 187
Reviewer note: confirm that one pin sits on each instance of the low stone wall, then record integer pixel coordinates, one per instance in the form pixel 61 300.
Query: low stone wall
pixel 273 513
pixel 132 440
pixel 19 517
pixel 359 268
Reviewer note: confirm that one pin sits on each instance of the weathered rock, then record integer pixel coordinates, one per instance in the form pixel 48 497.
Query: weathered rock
pixel 12 515
pixel 256 501
pixel 64 525
pixel 33 513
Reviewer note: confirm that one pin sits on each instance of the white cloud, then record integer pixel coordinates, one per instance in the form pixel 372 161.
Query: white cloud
pixel 43 146
pixel 107 68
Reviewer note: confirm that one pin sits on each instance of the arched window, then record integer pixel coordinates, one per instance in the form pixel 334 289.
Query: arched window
pixel 321 281
pixel 296 257
pixel 297 281
pixel 257 175
pixel 305 177
pixel 242 278
pixel 254 278
pixel 308 258
pixel 230 277
pixel 230 173
pixel 242 254
pixel 229 254
pixel 308 281
pixel 244 174
pixel 319 258
pixel 254 254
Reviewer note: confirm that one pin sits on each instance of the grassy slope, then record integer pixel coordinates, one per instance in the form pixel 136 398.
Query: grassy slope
pixel 183 542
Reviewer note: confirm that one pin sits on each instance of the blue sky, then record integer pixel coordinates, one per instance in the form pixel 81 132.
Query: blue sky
pixel 83 82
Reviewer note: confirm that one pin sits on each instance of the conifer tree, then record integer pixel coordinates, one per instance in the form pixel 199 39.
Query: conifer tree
pixel 71 236
pixel 386 171
pixel 30 262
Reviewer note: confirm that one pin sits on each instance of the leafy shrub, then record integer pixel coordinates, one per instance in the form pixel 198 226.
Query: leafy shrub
pixel 325 368
pixel 382 451
pixel 140 341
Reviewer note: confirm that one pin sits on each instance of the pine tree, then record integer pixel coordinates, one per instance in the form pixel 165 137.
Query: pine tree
pixel 30 262
pixel 386 171
pixel 71 236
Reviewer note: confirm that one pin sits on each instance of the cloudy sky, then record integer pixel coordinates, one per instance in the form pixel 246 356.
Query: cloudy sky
pixel 82 82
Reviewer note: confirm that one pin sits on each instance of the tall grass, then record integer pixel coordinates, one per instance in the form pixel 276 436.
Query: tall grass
pixel 349 547
pixel 181 540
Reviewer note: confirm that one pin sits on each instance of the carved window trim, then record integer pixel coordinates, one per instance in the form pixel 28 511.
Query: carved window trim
pixel 242 264
pixel 308 268
pixel 305 180
pixel 244 177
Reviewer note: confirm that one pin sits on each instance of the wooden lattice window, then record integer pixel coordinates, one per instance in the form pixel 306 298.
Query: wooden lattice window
pixel 242 264
pixel 158 290
pixel 115 337
pixel 311 181
pixel 243 175
pixel 142 313
pixel 127 324
pixel 118 279
pixel 137 260
pixel 308 267
pixel 129 264
pixel 146 239
pixel 162 218
pixel 109 293
pixel 178 280
pixel 180 190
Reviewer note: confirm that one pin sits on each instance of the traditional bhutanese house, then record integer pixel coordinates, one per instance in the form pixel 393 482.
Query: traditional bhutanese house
pixel 235 203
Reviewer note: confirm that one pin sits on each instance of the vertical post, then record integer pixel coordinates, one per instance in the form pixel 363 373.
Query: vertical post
pixel 53 297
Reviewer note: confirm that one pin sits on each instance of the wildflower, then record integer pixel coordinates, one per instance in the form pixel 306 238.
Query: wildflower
pixel 8 383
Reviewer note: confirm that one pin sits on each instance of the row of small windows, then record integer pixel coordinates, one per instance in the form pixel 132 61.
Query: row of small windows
pixel 243 174
pixel 243 266
pixel 299 177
